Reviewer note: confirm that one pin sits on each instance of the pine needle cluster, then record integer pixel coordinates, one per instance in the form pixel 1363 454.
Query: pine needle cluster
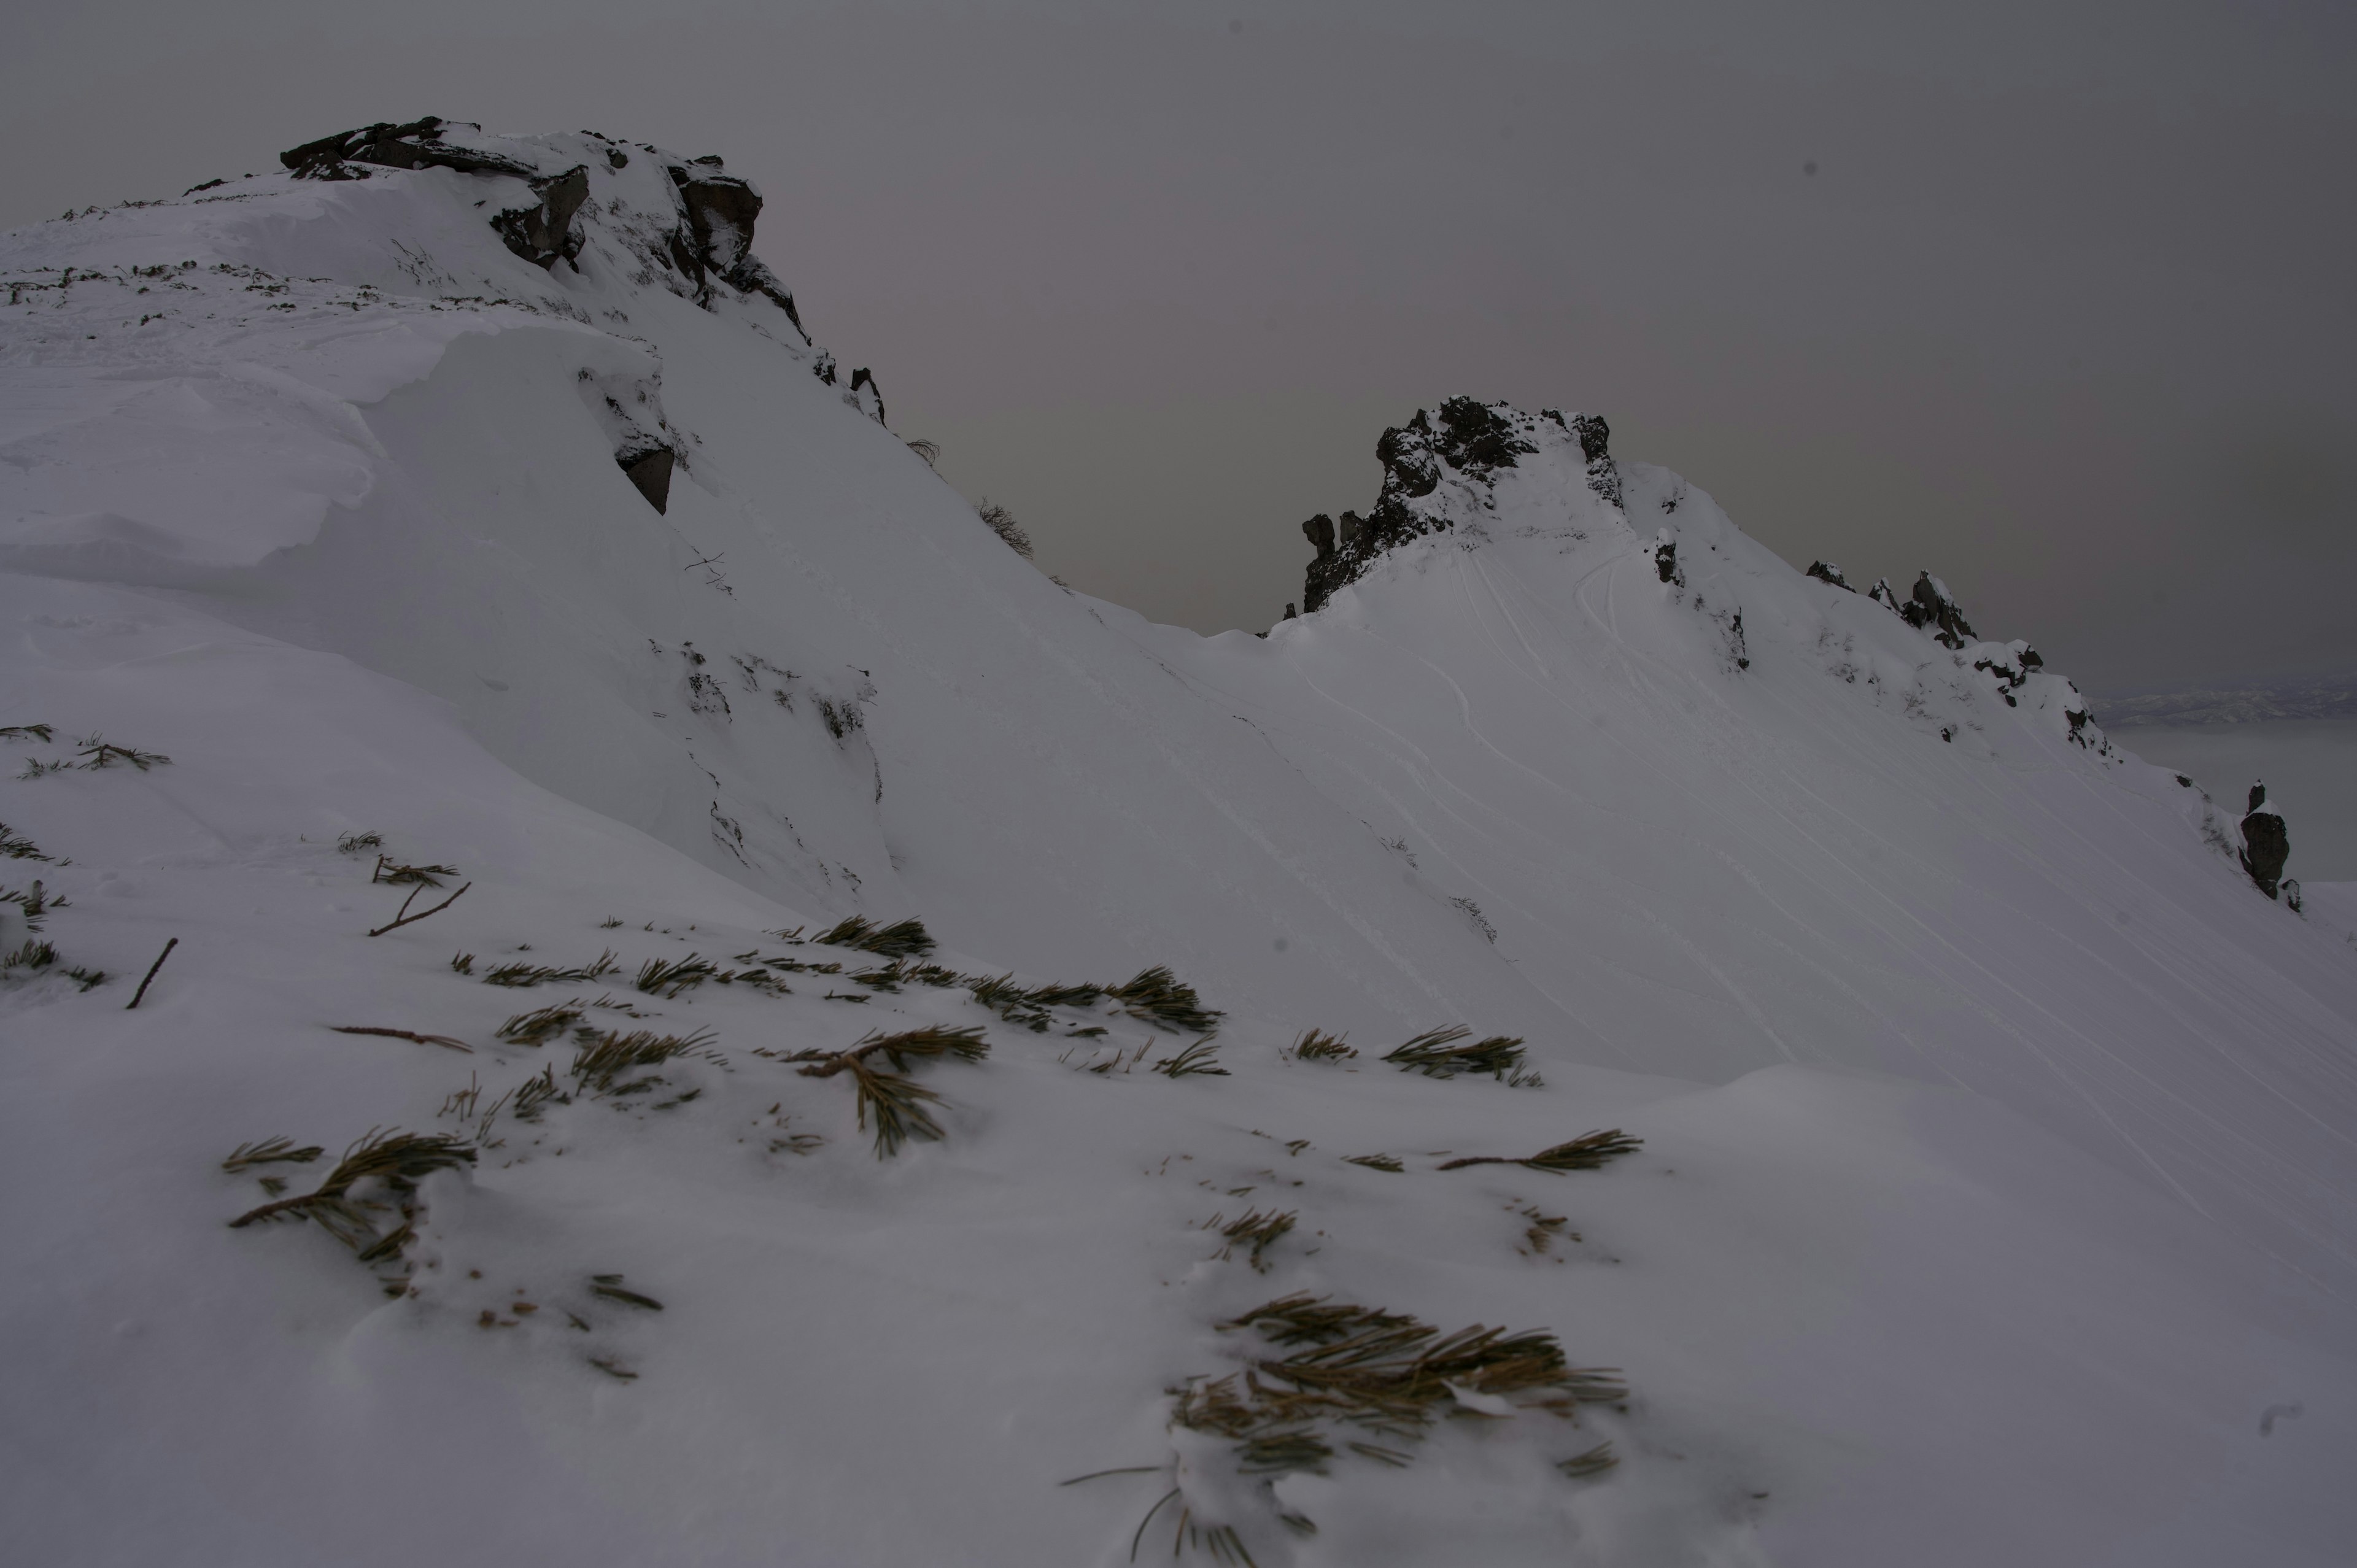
pixel 901 939
pixel 1316 1045
pixel 1257 1231
pixel 1588 1152
pixel 604 1063
pixel 542 1025
pixel 15 845
pixel 898 1103
pixel 1155 996
pixel 378 1172
pixel 526 975
pixel 1436 1054
pixel 1382 1373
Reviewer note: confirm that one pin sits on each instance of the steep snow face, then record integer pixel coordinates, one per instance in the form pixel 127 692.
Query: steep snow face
pixel 496 504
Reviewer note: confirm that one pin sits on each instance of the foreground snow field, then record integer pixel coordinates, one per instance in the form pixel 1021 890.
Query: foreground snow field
pixel 1995 1200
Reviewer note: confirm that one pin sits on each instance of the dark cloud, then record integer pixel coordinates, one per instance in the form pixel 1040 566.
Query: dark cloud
pixel 2063 311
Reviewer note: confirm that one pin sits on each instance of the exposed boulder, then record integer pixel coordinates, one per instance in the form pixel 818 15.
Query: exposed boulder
pixel 544 233
pixel 1665 557
pixel 2266 844
pixel 1881 594
pixel 650 470
pixel 1827 572
pixel 1319 531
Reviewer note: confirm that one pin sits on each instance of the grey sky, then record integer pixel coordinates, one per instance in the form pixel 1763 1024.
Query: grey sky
pixel 2066 312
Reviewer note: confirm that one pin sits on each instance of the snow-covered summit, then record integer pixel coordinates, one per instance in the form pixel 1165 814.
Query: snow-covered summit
pixel 463 523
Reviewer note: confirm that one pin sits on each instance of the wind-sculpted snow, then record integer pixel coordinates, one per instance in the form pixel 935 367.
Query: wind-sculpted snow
pixel 1892 1126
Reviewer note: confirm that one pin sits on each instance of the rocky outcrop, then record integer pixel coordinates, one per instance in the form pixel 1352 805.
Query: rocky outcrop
pixel 1453 452
pixel 863 393
pixel 2266 844
pixel 544 233
pixel 1827 572
pixel 649 468
pixel 353 155
pixel 1934 608
pixel 715 239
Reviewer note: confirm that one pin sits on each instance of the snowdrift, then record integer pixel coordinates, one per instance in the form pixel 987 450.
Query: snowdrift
pixel 474 511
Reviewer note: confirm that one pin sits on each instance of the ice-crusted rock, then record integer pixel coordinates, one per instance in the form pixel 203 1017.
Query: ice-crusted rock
pixel 1827 572
pixel 2266 844
pixel 1438 469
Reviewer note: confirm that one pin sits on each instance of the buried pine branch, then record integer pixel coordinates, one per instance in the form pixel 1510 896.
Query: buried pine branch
pixel 897 1101
pixel 1258 1231
pixel 1586 1152
pixel 542 1025
pixel 412 1036
pixel 15 845
pixel 270 1152
pixel 358 843
pixel 1376 1161
pixel 32 955
pixel 35 902
pixel 526 975
pixel 901 939
pixel 42 733
pixel 101 755
pixel 405 919
pixel 668 978
pixel 389 870
pixel 1387 1373
pixel 1316 1045
pixel 1201 1059
pixel 394 1160
pixel 1155 996
pixel 1435 1053
pixel 605 1061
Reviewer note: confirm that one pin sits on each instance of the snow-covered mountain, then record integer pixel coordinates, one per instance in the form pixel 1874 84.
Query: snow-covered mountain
pixel 473 511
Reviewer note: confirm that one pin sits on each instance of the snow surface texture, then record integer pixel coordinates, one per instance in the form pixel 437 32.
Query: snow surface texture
pixel 1995 1201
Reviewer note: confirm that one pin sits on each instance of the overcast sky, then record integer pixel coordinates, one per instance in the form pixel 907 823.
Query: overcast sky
pixel 2067 311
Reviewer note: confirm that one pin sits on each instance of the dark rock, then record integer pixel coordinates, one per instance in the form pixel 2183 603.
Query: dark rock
pixel 863 377
pixel 1665 560
pixel 1881 594
pixel 2265 843
pixel 384 145
pixel 1596 446
pixel 542 233
pixel 1827 572
pixel 1475 439
pixel 617 158
pixel 1933 608
pixel 1290 613
pixel 1466 439
pixel 2258 794
pixel 650 470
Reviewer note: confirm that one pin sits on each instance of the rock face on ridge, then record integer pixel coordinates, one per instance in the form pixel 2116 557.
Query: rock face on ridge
pixel 1440 465
pixel 709 239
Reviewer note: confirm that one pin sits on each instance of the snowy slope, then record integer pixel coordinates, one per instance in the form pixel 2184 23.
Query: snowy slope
pixel 1995 1195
